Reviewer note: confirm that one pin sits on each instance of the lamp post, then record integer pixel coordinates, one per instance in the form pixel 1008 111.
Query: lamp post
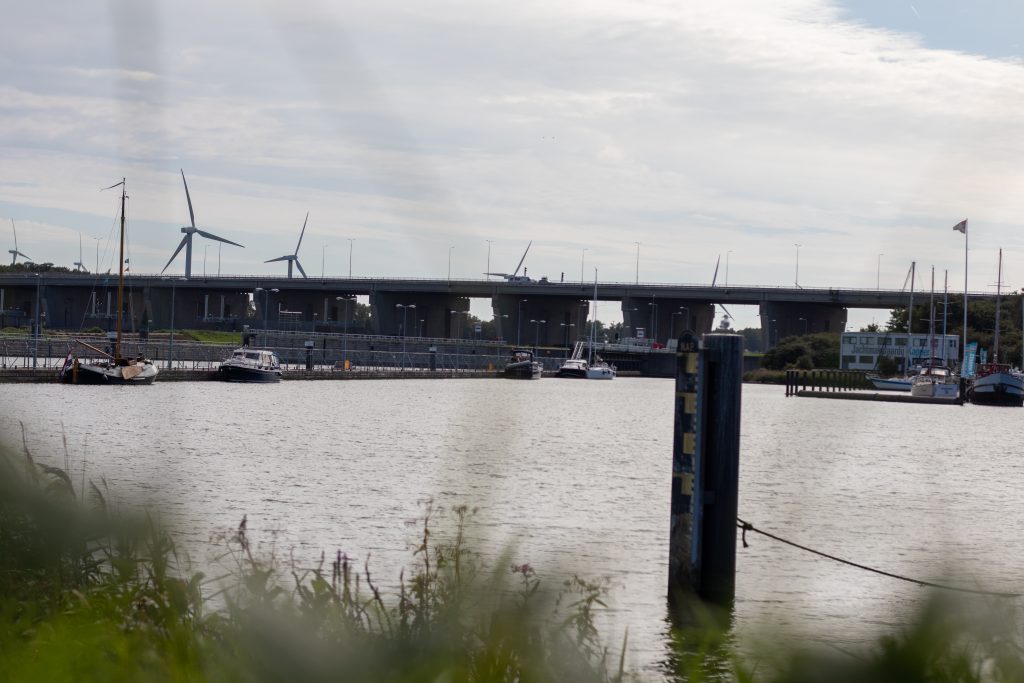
pixel 405 308
pixel 488 273
pixel 637 262
pixel 583 259
pixel 796 280
pixel 170 343
pixel 654 322
pixel 266 310
pixel 727 267
pixel 878 276
pixel 450 262
pixel 323 260
pixel 35 335
pixel 344 328
pixel 458 336
pixel 350 241
pixel 536 334
pixel 566 326
pixel 97 271
pixel 519 321
pixel 805 325
pixel 672 333
pixel 772 324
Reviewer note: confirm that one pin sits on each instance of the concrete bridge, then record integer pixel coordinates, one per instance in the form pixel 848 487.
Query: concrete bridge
pixel 420 307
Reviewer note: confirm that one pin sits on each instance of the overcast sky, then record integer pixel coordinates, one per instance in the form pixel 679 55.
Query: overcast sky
pixel 735 129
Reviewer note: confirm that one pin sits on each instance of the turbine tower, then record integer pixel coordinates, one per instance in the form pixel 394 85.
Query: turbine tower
pixel 14 252
pixel 79 266
pixel 294 258
pixel 186 241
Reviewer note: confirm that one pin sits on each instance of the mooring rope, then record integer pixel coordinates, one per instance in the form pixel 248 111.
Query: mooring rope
pixel 747 526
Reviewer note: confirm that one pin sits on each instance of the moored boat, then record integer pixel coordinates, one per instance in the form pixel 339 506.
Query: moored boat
pixel 102 367
pixel 521 365
pixel 995 383
pixel 250 365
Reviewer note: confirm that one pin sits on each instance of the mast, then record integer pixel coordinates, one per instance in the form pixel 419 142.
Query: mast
pixel 910 321
pixel 120 278
pixel 963 349
pixel 945 310
pixel 999 282
pixel 593 324
pixel 931 321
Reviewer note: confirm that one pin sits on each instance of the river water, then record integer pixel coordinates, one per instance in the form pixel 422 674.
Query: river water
pixel 574 476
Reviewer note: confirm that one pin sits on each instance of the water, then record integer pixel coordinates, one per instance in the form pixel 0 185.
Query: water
pixel 574 476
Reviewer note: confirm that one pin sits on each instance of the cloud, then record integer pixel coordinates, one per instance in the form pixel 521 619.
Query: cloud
pixel 695 129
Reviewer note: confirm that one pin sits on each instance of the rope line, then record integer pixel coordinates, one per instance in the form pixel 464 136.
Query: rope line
pixel 747 526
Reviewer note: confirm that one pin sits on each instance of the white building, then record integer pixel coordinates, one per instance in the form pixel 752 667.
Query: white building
pixel 861 350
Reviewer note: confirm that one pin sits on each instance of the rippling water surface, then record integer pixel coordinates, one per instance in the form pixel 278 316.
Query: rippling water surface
pixel 573 475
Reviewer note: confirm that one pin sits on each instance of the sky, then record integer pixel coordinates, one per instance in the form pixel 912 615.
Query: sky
pixel 421 134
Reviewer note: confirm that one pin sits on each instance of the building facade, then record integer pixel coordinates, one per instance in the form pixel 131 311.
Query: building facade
pixel 861 350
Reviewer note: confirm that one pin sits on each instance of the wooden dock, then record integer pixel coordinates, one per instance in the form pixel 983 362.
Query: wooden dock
pixel 887 397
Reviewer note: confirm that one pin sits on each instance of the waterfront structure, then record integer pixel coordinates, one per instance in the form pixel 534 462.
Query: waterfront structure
pixel 862 350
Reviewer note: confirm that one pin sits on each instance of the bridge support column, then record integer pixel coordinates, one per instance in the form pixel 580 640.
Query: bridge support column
pixel 664 318
pixel 435 310
pixel 564 319
pixel 781 320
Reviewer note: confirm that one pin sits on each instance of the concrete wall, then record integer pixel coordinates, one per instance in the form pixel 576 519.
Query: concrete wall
pixel 564 319
pixel 781 320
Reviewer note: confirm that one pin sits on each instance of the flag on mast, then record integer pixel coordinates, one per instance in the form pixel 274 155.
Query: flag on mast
pixel 961 226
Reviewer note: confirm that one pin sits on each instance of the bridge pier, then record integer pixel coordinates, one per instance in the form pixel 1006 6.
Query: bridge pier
pixel 781 320
pixel 565 319
pixel 435 310
pixel 662 319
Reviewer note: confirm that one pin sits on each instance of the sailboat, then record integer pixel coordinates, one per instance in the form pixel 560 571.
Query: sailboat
pixel 934 380
pixel 578 368
pixel 101 367
pixel 995 383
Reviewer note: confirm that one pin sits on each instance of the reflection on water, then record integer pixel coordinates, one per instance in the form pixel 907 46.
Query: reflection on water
pixel 574 475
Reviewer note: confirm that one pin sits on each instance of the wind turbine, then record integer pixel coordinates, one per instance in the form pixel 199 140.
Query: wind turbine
pixel 79 266
pixel 294 258
pixel 516 277
pixel 186 241
pixel 14 252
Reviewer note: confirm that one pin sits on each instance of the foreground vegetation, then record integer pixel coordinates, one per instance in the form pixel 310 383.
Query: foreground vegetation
pixel 91 594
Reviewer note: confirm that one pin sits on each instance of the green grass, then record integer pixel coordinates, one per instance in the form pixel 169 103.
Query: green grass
pixel 206 336
pixel 88 593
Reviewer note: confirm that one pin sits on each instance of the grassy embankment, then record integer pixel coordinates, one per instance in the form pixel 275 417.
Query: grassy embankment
pixel 91 594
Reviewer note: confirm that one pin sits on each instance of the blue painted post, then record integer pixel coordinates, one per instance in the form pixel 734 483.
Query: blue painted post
pixel 705 467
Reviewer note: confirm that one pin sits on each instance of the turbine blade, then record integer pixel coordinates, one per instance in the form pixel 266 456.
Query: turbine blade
pixel 181 245
pixel 715 276
pixel 301 235
pixel 211 236
pixel 299 266
pixel 281 258
pixel 15 235
pixel 522 259
pixel 23 255
pixel 191 214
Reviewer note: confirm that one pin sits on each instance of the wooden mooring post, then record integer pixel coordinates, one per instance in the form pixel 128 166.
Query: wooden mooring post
pixel 705 467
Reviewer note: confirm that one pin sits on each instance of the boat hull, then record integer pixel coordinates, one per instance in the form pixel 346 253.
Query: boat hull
pixel 572 373
pixel 228 373
pixel 891 384
pixel 91 373
pixel 998 389
pixel 527 370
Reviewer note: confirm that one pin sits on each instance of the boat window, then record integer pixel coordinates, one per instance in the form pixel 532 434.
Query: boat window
pixel 253 355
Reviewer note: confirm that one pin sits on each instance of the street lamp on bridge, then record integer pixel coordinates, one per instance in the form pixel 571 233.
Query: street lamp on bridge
pixel 344 327
pixel 805 325
pixel 266 309
pixel 681 310
pixel 519 321
pixel 566 326
pixel 536 334
pixel 405 309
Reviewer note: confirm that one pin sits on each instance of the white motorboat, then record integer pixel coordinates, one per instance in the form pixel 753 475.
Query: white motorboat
pixel 576 367
pixel 251 365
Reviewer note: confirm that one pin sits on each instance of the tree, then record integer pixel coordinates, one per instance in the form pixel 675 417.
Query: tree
pixel 821 351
